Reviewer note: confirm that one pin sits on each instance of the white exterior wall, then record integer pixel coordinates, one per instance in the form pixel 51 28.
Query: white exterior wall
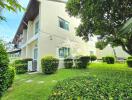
pixel 52 37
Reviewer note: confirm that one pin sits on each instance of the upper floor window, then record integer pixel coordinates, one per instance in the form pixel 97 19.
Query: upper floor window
pixel 63 24
pixel 36 27
pixel 64 52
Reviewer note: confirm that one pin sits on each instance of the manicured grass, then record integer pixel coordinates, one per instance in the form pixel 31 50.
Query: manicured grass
pixel 39 86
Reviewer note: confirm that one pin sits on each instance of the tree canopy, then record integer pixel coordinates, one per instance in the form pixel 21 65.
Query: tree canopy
pixel 108 19
pixel 11 5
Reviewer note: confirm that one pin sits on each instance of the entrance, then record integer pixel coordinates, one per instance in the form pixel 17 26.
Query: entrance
pixel 35 57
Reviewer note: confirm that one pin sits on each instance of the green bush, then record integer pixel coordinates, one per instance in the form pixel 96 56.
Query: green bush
pixel 5 73
pixel 103 59
pixel 23 61
pixel 93 58
pixel 21 65
pixel 21 68
pixel 108 59
pixel 10 76
pixel 49 64
pixel 68 63
pixel 129 62
pixel 92 88
pixel 82 62
pixel 129 57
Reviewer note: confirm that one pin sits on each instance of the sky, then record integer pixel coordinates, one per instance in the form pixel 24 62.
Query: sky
pixel 9 27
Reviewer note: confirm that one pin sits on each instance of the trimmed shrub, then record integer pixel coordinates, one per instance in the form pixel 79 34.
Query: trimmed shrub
pixel 92 88
pixel 6 76
pixel 68 63
pixel 93 58
pixel 103 59
pixel 23 61
pixel 21 66
pixel 82 62
pixel 49 64
pixel 10 76
pixel 129 57
pixel 129 62
pixel 108 59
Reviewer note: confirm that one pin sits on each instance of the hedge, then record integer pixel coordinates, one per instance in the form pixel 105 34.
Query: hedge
pixel 108 59
pixel 49 64
pixel 21 66
pixel 6 74
pixel 129 57
pixel 93 58
pixel 92 88
pixel 68 63
pixel 10 74
pixel 82 62
pixel 129 62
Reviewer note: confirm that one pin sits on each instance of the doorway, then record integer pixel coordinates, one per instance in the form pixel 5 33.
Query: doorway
pixel 35 57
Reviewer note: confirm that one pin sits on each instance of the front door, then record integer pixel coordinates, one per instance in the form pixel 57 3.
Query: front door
pixel 35 57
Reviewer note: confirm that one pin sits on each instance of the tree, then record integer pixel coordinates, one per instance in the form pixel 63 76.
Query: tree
pixel 11 5
pixel 105 18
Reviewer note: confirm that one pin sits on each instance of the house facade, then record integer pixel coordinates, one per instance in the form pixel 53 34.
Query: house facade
pixel 47 29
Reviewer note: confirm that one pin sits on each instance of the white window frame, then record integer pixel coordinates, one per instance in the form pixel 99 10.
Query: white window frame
pixel 68 53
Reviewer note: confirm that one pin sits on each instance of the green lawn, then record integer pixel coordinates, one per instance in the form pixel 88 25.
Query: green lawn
pixel 39 86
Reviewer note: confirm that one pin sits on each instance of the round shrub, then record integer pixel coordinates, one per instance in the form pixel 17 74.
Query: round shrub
pixel 82 62
pixel 109 59
pixel 93 58
pixel 68 63
pixel 129 62
pixel 5 73
pixel 49 64
pixel 91 88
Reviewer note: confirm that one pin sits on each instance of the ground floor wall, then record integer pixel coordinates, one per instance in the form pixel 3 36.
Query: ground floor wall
pixel 49 46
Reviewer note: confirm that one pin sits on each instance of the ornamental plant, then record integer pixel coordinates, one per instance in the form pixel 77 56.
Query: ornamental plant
pixel 49 64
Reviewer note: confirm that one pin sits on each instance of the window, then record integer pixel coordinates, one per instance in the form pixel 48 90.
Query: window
pixel 63 24
pixel 64 52
pixel 36 27
pixel 35 53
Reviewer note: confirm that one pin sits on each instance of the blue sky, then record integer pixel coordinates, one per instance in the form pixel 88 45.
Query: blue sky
pixel 9 28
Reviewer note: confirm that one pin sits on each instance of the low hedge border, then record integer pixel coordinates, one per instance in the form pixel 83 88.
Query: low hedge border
pixel 92 88
pixel 21 65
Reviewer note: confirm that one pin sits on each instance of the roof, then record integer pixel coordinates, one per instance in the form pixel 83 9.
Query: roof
pixel 30 14
pixel 14 51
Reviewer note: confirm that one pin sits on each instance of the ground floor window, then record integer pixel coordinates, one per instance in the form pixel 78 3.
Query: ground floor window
pixel 64 52
pixel 35 53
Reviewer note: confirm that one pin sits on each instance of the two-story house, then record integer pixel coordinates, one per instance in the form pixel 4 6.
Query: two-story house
pixel 47 29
